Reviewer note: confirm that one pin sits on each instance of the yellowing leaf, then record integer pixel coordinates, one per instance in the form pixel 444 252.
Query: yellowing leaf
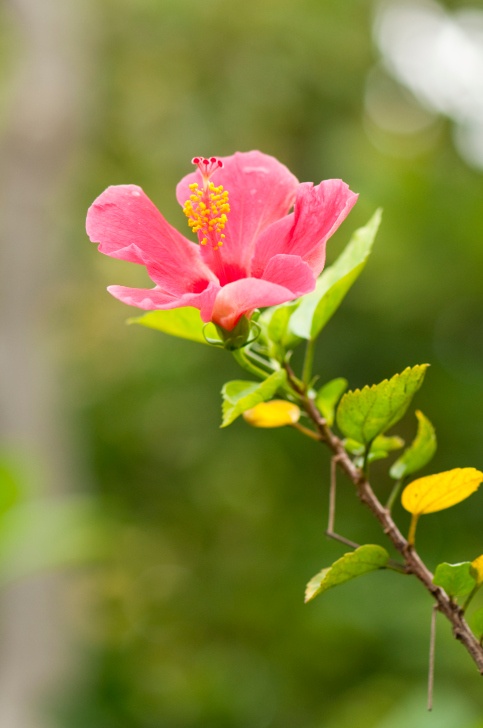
pixel 276 413
pixel 477 564
pixel 442 490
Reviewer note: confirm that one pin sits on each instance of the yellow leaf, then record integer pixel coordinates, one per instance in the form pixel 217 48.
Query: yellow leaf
pixel 477 564
pixel 439 491
pixel 276 413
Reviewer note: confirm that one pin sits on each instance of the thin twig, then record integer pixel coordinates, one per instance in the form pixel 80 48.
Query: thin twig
pixel 432 644
pixel 308 362
pixel 333 484
pixel 305 431
pixel 342 539
pixel 331 520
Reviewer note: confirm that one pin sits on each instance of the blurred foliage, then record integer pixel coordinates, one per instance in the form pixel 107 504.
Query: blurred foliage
pixel 197 617
pixel 39 533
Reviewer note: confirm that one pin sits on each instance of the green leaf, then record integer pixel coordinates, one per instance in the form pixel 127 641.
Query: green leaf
pixel 456 579
pixel 275 325
pixel 365 413
pixel 318 307
pixel 379 449
pixel 353 447
pixel 388 444
pixel 477 622
pixel 419 452
pixel 381 444
pixel 183 322
pixel 239 395
pixel 355 563
pixel 328 396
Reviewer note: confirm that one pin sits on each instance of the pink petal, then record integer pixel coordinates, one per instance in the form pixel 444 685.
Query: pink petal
pixel 318 213
pixel 243 296
pixel 129 226
pixel 291 272
pixel 151 299
pixel 261 190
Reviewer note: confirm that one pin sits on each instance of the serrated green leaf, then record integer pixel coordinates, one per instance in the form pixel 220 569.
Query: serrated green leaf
pixel 477 622
pixel 355 563
pixel 365 413
pixel 318 307
pixel 419 452
pixel 240 395
pixel 456 579
pixel 184 323
pixel 328 396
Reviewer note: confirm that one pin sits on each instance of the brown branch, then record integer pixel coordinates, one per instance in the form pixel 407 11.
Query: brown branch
pixel 412 560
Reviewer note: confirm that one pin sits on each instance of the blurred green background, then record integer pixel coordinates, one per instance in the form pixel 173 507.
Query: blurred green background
pixel 153 565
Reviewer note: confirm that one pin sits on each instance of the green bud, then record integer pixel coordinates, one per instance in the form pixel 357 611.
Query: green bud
pixel 237 337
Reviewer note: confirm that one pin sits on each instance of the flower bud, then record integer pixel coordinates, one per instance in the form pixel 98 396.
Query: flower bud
pixel 237 337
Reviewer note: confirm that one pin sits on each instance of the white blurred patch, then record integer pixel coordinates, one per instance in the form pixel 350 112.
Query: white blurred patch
pixel 437 58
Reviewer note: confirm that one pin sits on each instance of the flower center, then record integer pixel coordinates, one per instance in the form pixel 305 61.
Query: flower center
pixel 207 207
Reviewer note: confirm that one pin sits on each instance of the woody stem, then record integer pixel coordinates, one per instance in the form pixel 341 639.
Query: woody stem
pixel 412 561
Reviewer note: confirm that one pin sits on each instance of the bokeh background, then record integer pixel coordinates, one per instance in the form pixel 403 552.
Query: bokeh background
pixel 152 566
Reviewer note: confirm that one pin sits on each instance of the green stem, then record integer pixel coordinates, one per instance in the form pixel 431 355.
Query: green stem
pixel 412 529
pixel 262 369
pixel 244 360
pixel 308 362
pixel 305 431
pixel 260 361
pixel 365 462
pixel 394 494
pixel 470 597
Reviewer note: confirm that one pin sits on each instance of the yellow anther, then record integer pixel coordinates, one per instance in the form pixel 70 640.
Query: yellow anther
pixel 207 209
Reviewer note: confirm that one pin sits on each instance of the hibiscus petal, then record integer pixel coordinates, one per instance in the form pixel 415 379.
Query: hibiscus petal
pixel 261 190
pixel 243 296
pixel 317 214
pixel 129 226
pixel 151 299
pixel 291 272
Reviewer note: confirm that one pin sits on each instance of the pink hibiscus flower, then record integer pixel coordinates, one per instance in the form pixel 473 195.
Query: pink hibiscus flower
pixel 252 252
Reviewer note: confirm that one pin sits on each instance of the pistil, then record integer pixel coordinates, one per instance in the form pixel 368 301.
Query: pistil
pixel 207 207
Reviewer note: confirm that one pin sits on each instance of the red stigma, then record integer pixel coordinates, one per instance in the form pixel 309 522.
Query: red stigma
pixel 207 166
